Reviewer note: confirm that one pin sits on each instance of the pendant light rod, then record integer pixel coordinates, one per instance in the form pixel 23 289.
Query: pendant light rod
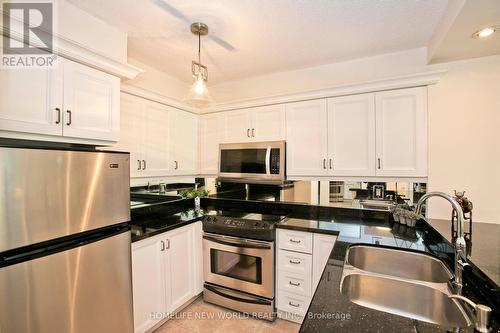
pixel 199 47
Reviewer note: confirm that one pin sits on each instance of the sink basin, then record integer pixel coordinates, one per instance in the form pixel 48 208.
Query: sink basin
pixel 415 301
pixel 405 283
pixel 399 263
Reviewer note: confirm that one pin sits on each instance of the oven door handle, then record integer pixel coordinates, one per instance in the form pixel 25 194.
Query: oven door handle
pixel 238 299
pixel 250 245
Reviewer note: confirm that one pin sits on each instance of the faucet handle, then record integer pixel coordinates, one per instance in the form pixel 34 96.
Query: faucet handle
pixel 483 313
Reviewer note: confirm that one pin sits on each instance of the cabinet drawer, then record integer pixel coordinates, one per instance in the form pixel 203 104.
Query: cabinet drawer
pixel 295 283
pixel 295 241
pixel 294 262
pixel 292 303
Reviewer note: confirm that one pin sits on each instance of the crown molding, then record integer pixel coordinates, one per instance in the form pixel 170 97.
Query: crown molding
pixel 78 52
pixel 155 97
pixel 398 82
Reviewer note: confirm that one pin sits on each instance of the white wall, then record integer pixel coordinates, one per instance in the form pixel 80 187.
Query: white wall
pixel 158 82
pixel 322 77
pixel 464 137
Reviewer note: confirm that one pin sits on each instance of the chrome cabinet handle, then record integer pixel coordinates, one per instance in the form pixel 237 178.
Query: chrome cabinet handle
pixel 324 163
pixel 69 117
pixel 138 164
pixel 294 241
pixel 253 132
pixel 176 165
pixel 293 304
pixel 378 159
pixel 294 262
pixel 294 284
pixel 162 246
pixel 331 163
pixel 168 243
pixel 58 121
pixel 248 132
pixel 143 164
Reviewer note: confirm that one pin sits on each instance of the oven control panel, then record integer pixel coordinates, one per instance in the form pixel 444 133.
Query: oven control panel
pixel 241 227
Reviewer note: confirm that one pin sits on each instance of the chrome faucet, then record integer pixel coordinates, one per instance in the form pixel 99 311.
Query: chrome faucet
pixel 460 245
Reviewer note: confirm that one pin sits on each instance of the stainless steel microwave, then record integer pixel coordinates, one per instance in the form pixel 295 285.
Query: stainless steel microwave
pixel 255 162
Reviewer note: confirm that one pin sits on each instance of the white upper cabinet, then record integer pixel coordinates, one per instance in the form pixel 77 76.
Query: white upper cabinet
pixel 211 133
pixel 307 138
pixel 183 142
pixel 31 100
pixel 268 123
pixel 401 127
pixel 71 100
pixel 155 141
pixel 144 133
pixel 131 132
pixel 91 103
pixel 351 135
pixel 238 125
pixel 263 123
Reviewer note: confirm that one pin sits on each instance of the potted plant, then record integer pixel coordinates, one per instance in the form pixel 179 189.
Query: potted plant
pixel 196 195
pixel 412 218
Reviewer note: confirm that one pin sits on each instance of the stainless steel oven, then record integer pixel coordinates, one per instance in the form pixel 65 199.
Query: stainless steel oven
pixel 243 264
pixel 239 274
pixel 257 162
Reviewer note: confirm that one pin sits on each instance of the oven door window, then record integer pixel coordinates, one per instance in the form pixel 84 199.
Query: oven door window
pixel 237 266
pixel 252 161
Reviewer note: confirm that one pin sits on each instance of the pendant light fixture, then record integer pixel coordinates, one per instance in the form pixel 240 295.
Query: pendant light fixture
pixel 198 94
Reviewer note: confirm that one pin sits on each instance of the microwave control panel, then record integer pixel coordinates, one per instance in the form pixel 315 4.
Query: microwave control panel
pixel 275 161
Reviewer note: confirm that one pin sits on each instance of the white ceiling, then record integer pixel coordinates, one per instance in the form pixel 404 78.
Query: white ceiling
pixel 267 35
pixel 457 42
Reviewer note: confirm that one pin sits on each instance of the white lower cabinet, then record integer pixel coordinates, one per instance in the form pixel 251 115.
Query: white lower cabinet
pixel 165 274
pixel 301 259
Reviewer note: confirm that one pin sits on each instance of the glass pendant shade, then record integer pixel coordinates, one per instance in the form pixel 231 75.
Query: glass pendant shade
pixel 198 95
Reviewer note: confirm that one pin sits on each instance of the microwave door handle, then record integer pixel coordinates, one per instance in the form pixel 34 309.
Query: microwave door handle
pixel 268 161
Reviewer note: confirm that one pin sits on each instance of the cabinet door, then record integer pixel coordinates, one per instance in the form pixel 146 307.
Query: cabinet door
pixel 401 117
pixel 307 138
pixel 155 145
pixel 91 103
pixel 148 283
pixel 131 131
pixel 268 123
pixel 179 265
pixel 211 128
pixel 351 135
pixel 238 126
pixel 184 143
pixel 322 248
pixel 29 99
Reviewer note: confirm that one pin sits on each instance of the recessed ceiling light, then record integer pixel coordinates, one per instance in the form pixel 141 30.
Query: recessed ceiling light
pixel 488 31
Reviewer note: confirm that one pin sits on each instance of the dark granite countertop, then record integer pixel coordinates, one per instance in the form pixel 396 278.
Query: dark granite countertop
pixel 331 311
pixel 158 216
pixel 483 248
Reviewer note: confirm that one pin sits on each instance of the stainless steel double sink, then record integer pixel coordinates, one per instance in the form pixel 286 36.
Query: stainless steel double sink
pixel 409 284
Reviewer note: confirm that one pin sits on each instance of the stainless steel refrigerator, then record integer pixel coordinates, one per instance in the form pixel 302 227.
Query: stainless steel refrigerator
pixel 64 241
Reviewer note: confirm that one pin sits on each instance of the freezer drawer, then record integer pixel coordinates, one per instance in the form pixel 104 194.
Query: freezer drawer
pixel 84 289
pixel 48 194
